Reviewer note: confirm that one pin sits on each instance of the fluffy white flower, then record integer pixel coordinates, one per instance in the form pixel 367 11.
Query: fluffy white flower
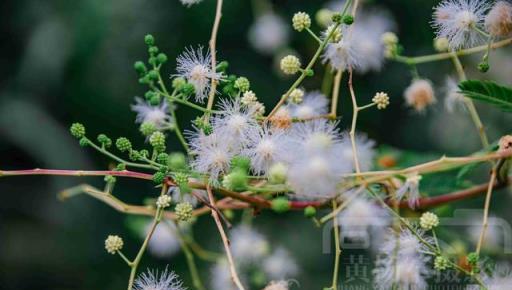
pixel 459 21
pixel 195 66
pixel 313 104
pixel 316 136
pixel 268 33
pixel 453 99
pixel 419 94
pixel 212 156
pixel 500 279
pixel 221 276
pixel 266 147
pixel 153 280
pixel 360 216
pixel 342 54
pixel 234 124
pixel 248 245
pixel 164 242
pixel 365 151
pixel 410 189
pixel 190 2
pixel 494 234
pixel 280 265
pixel 146 113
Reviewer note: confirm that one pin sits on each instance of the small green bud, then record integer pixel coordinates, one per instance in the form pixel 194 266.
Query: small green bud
pixel 104 140
pixel 144 153
pixel 153 50
pixel 181 178
pixel 236 181
pixel 483 66
pixel 178 83
pixel 277 173
pixel 123 144
pixel 183 211
pixel 134 155
pixel 441 263
pixel 336 18
pixel 155 100
pixel 149 39
pixel 162 158
pixel 309 212
pixel 280 205
pixel 147 128
pixel 158 177
pixel 161 57
pixel 139 67
pixel 144 80
pixel 240 162
pixel 121 167
pixel 84 142
pixel 348 19
pixel 187 89
pixel 153 75
pixel 222 66
pixel 242 84
pixel 157 140
pixel 110 179
pixel 473 258
pixel 153 61
pixel 177 161
pixel 77 130
pixel 229 213
pixel 149 94
pixel 310 72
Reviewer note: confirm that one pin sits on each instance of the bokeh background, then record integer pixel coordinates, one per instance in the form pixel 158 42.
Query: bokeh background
pixel 66 61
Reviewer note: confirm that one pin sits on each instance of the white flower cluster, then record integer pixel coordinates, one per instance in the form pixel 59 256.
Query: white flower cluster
pixel 153 280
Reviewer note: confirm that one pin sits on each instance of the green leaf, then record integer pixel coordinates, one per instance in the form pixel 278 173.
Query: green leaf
pixel 488 91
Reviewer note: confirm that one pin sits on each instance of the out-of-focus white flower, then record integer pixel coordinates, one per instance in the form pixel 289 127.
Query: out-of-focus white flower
pixel 164 242
pixel 459 21
pixel 212 156
pixel 153 280
pixel 419 95
pixel 494 234
pixel 453 99
pixel 365 151
pixel 499 20
pixel 410 189
pixel 280 265
pixel 313 104
pixel 221 276
pixel 361 216
pixel 268 33
pixel 146 113
pixel 190 2
pixel 247 245
pixel 500 279
pixel 277 285
pixel 195 66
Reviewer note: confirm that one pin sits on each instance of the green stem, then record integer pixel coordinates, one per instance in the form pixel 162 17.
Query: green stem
pixel 118 159
pixel 337 248
pixel 314 35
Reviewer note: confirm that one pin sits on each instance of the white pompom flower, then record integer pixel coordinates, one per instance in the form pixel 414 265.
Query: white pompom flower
pixel 164 242
pixel 459 22
pixel 156 115
pixel 195 67
pixel 248 245
pixel 265 147
pixel 280 265
pixel 154 280
pixel 313 104
pixel 365 151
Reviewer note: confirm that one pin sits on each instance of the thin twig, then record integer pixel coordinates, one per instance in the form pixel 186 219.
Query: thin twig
pixel 213 53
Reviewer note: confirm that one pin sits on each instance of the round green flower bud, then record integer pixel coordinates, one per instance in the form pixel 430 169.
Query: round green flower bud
pixel 177 161
pixel 473 258
pixel 336 18
pixel 153 50
pixel 162 158
pixel 242 84
pixel 158 177
pixel 155 100
pixel 134 155
pixel 144 80
pixel 120 167
pixel 187 89
pixel 161 57
pixel 301 21
pixel 84 142
pixel 222 66
pixel 290 64
pixel 236 180
pixel 153 75
pixel 77 130
pixel 153 61
pixel 277 173
pixel 309 212
pixel 483 66
pixel 147 128
pixel 183 211
pixel 181 178
pixel 441 263
pixel 348 19
pixel 310 72
pixel 149 39
pixel 123 144
pixel 240 162
pixel 178 83
pixel 110 179
pixel 280 205
pixel 149 94
pixel 104 140
pixel 144 153
pixel 139 67
pixel 157 140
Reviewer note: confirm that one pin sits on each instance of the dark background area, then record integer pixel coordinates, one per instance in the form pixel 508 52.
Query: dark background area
pixel 67 61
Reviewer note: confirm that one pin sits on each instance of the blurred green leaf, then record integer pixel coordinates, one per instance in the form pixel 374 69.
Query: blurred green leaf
pixel 489 92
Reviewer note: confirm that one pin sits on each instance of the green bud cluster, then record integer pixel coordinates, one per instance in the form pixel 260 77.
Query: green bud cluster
pixel 157 140
pixel 123 144
pixel 242 84
pixel 147 128
pixel 236 180
pixel 158 177
pixel 77 130
pixel 183 211
pixel 162 158
pixel 104 140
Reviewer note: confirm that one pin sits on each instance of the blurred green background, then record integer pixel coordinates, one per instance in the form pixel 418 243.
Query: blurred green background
pixel 66 61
